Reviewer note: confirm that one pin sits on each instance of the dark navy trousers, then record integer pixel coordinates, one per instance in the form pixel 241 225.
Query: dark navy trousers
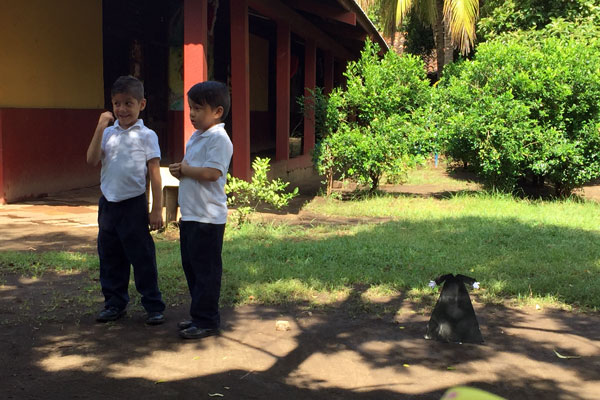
pixel 201 246
pixel 124 240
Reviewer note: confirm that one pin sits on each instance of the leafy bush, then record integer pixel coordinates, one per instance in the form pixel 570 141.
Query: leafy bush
pixel 249 195
pixel 526 106
pixel 366 154
pixel 325 109
pixel 501 16
pixel 370 127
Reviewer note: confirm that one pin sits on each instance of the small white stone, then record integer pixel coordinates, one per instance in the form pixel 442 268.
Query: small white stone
pixel 282 325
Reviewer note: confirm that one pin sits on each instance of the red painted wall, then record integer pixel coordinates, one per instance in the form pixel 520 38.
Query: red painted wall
pixel 43 151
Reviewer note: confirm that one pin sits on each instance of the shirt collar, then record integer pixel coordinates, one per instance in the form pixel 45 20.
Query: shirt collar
pixel 209 131
pixel 139 123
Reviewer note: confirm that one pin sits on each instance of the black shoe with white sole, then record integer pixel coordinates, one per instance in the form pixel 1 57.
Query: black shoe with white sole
pixel 193 332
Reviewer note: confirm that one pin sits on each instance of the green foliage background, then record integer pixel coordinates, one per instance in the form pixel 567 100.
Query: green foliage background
pixel 501 16
pixel 527 106
pixel 370 126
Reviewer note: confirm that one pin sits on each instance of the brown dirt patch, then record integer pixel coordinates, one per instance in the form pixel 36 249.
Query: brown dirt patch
pixel 53 349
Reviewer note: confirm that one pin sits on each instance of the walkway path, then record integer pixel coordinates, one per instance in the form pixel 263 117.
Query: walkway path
pixel 64 221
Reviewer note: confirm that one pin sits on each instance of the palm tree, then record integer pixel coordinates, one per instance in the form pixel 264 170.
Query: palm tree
pixel 452 21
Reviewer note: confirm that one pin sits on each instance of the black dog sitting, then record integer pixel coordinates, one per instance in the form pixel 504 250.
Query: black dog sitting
pixel 453 318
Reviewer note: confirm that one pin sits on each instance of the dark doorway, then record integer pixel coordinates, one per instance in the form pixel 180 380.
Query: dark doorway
pixel 136 42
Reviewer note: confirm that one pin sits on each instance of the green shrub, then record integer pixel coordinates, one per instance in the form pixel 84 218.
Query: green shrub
pixel 246 196
pixel 326 111
pixel 526 106
pixel 501 16
pixel 365 154
pixel 371 127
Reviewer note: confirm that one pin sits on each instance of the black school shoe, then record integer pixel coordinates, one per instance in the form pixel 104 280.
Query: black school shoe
pixel 155 318
pixel 193 332
pixel 110 314
pixel 184 324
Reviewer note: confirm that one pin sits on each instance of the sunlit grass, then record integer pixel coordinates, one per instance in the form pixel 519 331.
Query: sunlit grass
pixel 517 249
pixel 542 252
pixel 34 264
pixel 431 175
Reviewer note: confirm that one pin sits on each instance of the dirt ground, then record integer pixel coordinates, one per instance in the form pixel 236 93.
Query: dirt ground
pixel 332 353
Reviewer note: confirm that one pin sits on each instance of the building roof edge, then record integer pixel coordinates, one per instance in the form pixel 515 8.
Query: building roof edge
pixel 365 22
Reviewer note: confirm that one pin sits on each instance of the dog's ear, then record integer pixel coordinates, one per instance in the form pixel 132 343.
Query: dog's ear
pixel 440 279
pixel 467 280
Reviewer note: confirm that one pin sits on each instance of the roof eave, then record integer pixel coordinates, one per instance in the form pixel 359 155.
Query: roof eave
pixel 365 22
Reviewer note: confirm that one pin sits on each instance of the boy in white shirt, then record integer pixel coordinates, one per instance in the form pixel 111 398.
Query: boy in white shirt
pixel 128 151
pixel 203 204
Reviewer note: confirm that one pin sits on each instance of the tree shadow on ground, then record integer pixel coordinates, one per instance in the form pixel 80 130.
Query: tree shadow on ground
pixel 329 353
pixel 359 348
pixel 460 173
pixel 436 194
pixel 61 359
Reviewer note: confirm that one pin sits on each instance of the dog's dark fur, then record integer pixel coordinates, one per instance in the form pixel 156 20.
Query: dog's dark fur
pixel 453 318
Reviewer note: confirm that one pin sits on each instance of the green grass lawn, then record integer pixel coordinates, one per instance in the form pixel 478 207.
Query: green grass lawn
pixel 546 252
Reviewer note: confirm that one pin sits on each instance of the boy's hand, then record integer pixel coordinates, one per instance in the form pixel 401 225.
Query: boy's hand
pixel 94 152
pixel 175 170
pixel 156 221
pixel 106 118
pixel 184 165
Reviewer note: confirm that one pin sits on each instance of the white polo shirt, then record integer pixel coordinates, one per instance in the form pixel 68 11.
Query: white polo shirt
pixel 125 153
pixel 206 201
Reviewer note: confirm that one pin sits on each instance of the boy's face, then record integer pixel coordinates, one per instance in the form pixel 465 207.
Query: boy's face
pixel 127 109
pixel 204 116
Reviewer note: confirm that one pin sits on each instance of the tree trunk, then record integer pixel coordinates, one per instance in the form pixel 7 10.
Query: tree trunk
pixel 438 36
pixel 448 45
pixel 443 42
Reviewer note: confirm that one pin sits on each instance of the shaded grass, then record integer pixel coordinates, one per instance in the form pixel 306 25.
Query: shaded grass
pixel 538 251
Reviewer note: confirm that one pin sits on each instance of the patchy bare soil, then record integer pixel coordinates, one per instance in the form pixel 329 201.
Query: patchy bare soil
pixel 350 351
pixel 51 347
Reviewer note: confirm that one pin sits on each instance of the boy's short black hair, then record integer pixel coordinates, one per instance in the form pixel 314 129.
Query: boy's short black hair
pixel 213 93
pixel 129 85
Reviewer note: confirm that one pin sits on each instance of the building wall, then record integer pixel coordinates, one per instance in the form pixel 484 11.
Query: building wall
pixel 51 93
pixel 51 54
pixel 38 159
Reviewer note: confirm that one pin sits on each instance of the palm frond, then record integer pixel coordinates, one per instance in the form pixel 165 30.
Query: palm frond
pixel 402 8
pixel 366 4
pixel 388 11
pixel 427 11
pixel 461 16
